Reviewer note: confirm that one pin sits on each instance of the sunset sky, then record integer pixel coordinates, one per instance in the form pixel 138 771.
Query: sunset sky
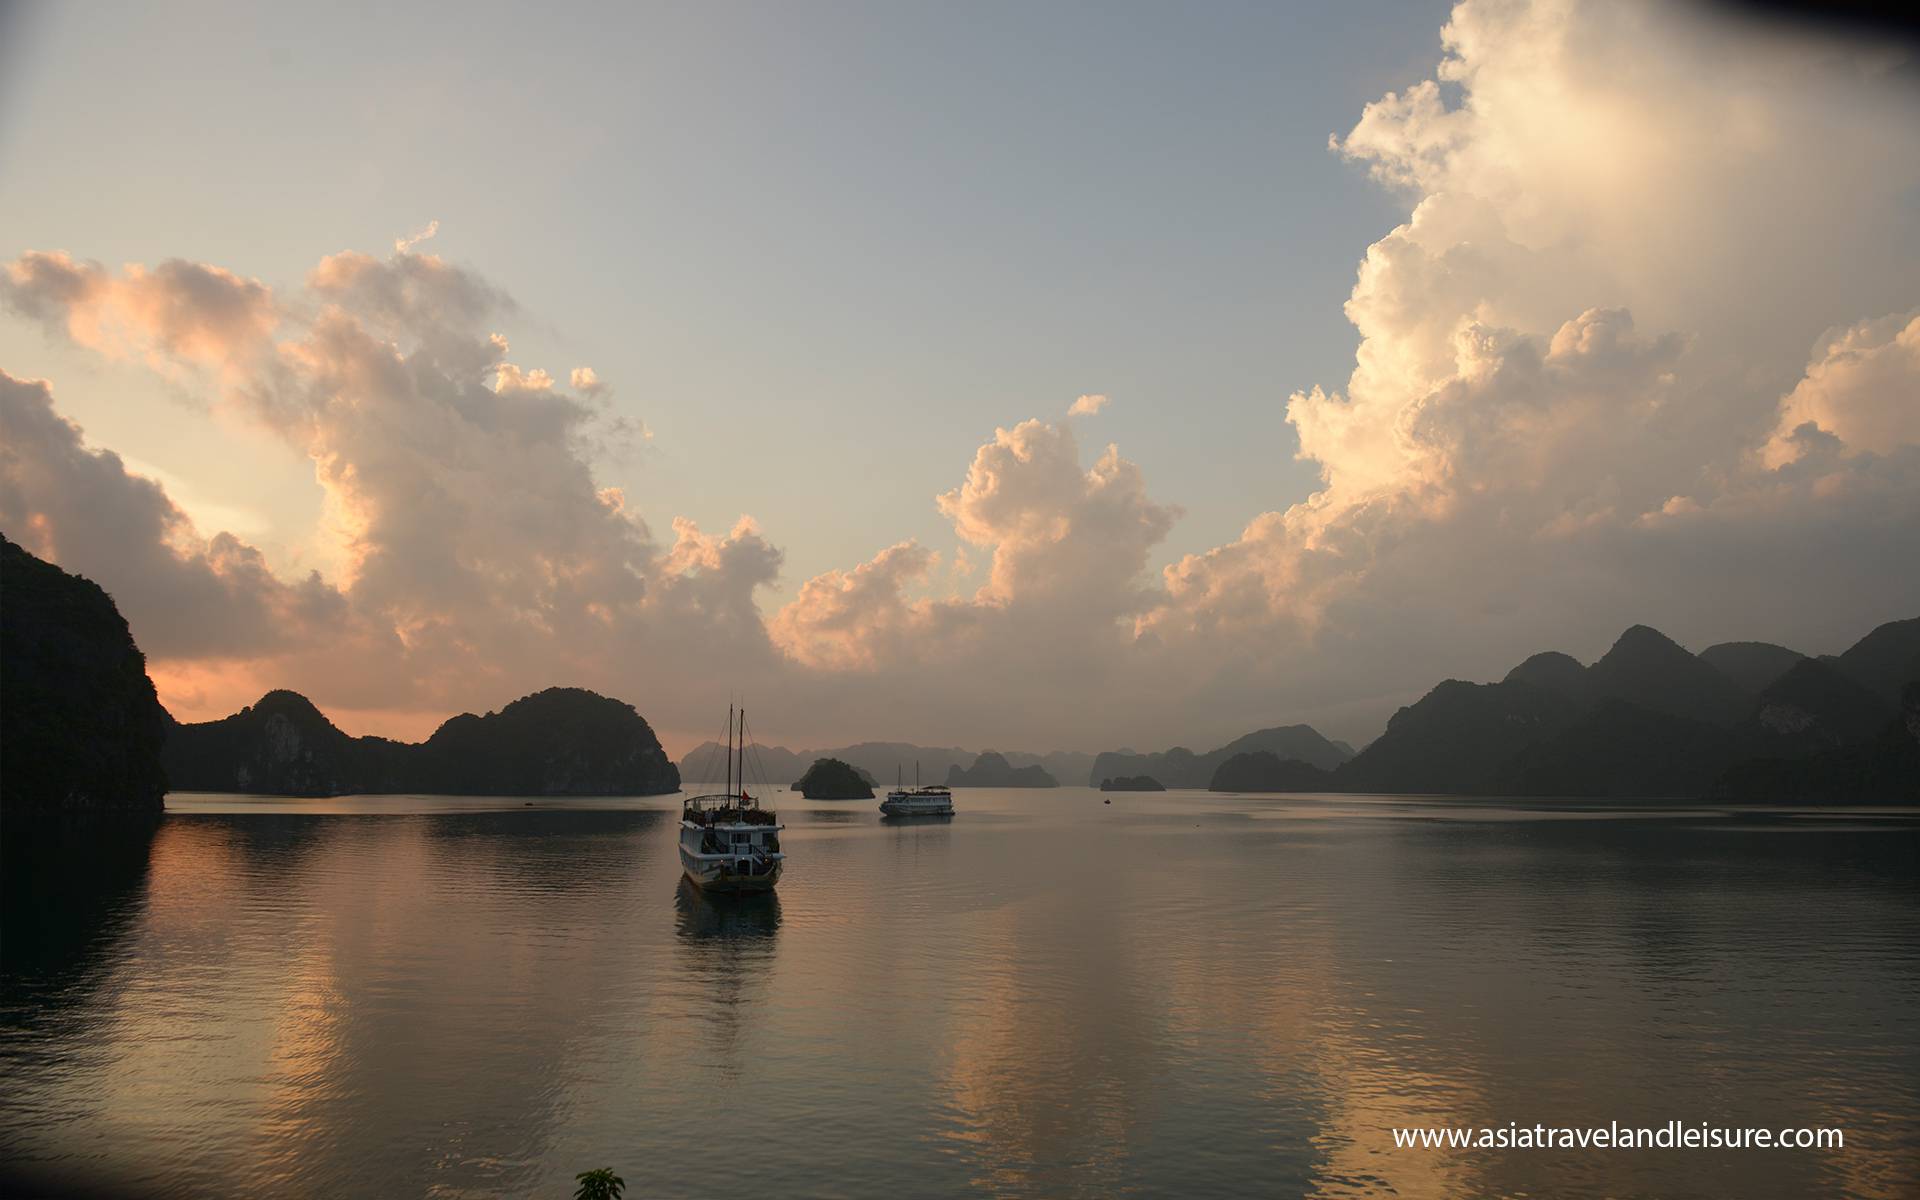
pixel 1034 377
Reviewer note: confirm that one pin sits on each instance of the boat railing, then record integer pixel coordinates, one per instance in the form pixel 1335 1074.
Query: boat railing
pixel 713 800
pixel 721 807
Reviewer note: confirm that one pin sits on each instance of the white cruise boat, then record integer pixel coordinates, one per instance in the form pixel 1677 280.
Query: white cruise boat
pixel 728 843
pixel 935 801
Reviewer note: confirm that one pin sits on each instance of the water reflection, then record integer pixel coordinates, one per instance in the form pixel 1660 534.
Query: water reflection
pixel 726 945
pixel 706 917
pixel 1049 998
pixel 69 889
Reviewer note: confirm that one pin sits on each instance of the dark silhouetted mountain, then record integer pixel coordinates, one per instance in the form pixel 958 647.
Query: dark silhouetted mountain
pixel 80 725
pixel 284 746
pixel 1132 783
pixel 1886 660
pixel 1264 771
pixel 1814 707
pixel 832 779
pixel 1647 668
pixel 560 742
pixel 1456 737
pixel 993 770
pixel 1884 770
pixel 1182 768
pixel 1552 671
pixel 1621 749
pixel 1751 665
pixel 1648 719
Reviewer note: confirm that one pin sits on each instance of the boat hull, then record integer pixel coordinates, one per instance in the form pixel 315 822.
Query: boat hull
pixel 889 808
pixel 716 874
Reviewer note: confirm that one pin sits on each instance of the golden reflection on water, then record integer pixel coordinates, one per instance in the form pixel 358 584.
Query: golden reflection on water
pixel 1051 1000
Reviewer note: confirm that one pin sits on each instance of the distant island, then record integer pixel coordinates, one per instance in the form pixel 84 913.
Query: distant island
pixel 831 779
pixel 1132 783
pixel 80 725
pixel 993 770
pixel 559 742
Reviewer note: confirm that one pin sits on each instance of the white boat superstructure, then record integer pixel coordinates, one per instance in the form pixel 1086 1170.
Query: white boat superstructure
pixel 917 801
pixel 728 843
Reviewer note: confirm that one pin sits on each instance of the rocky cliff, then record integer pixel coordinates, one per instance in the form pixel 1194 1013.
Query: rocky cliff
pixel 80 725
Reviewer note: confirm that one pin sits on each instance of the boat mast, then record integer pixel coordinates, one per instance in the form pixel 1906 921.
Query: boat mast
pixel 729 749
pixel 741 774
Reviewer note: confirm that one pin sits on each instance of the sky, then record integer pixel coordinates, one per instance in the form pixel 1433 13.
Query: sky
pixel 1023 376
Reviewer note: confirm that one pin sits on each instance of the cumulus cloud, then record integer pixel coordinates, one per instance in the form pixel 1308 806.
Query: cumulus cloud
pixel 177 314
pixel 196 597
pixel 457 484
pixel 1573 170
pixel 1067 547
pixel 1862 388
pixel 1572 353
pixel 859 619
pixel 1582 397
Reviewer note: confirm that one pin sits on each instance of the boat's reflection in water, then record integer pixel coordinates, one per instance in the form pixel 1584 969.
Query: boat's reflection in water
pixel 726 943
pixel 720 917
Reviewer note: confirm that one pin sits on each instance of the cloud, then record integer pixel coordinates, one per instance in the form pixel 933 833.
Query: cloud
pixel 1057 531
pixel 1504 400
pixel 179 314
pixel 857 620
pixel 184 594
pixel 1862 387
pixel 1067 548
pixel 480 550
pixel 403 245
pixel 1582 397
pixel 1572 352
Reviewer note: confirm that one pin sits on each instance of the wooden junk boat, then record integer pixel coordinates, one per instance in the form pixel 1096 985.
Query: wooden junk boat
pixel 728 842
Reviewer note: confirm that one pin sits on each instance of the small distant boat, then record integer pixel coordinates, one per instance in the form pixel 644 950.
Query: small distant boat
pixel 728 843
pixel 920 801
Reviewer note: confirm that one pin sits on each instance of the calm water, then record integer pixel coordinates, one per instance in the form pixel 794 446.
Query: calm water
pixel 1175 994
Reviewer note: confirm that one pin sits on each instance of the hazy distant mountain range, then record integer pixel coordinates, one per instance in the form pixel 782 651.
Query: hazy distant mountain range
pixel 993 770
pixel 1182 768
pixel 80 727
pixel 887 762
